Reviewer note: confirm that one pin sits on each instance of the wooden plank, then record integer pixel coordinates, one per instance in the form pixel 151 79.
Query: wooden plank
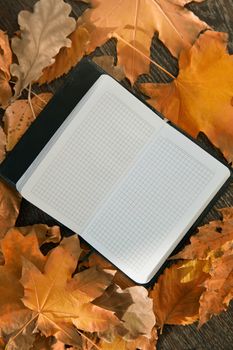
pixel 217 334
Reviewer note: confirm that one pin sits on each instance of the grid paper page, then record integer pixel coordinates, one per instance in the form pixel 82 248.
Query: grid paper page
pixel 99 151
pixel 151 201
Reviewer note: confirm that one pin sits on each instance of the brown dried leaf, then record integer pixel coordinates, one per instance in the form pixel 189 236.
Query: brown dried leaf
pixel 136 22
pixel 200 98
pixel 107 63
pixel 9 207
pixel 176 294
pixel 5 62
pixel 139 319
pixel 219 288
pixel 18 117
pixel 210 239
pixel 43 33
pixel 44 233
pixel 120 278
pixel 68 57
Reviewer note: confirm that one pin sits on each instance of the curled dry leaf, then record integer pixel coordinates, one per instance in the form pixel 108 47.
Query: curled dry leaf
pixel 18 117
pixel 107 63
pixel 5 62
pixel 67 57
pixel 210 239
pixel 176 294
pixel 43 33
pixel 10 202
pixel 136 22
pixel 200 98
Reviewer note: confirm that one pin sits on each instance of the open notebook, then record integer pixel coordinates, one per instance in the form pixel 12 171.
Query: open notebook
pixel 122 178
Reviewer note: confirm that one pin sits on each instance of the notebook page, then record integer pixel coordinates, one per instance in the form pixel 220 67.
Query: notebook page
pixel 155 204
pixel 99 145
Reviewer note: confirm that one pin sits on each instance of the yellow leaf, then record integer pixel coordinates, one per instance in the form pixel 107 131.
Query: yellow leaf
pixel 67 56
pixel 18 117
pixel 9 207
pixel 43 33
pixel 200 99
pixel 176 294
pixel 5 62
pixel 136 22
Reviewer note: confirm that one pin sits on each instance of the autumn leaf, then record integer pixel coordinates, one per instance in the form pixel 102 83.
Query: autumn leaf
pixel 43 33
pixel 43 232
pixel 120 278
pixel 67 57
pixel 5 62
pixel 176 294
pixel 19 116
pixel 135 22
pixel 56 298
pixel 2 144
pixel 9 207
pixel 139 318
pixel 210 239
pixel 200 98
pixel 219 288
pixel 107 63
pixel 13 314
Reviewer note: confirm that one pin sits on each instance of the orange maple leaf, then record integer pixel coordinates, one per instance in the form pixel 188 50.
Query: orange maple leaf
pixel 135 22
pixel 200 98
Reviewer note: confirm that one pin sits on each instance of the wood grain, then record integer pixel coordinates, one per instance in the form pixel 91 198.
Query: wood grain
pixel 217 334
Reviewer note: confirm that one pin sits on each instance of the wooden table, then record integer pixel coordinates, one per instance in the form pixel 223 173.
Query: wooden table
pixel 217 334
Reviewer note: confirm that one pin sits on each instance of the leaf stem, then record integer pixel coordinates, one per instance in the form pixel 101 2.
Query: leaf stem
pixel 118 37
pixel 30 100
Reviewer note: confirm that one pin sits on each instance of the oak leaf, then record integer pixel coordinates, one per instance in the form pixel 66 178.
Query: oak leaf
pixel 18 117
pixel 200 98
pixel 107 63
pixel 5 62
pixel 135 22
pixel 43 33
pixel 210 239
pixel 67 57
pixel 10 202
pixel 176 294
pixel 219 288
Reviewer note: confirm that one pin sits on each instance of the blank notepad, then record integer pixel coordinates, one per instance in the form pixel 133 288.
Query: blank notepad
pixel 122 178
